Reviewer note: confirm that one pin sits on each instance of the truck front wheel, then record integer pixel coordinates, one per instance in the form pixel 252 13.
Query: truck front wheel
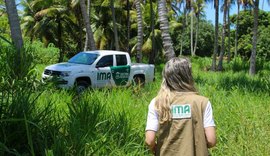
pixel 138 80
pixel 81 85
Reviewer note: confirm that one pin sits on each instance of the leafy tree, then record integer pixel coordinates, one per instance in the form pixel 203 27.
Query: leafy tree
pixel 245 23
pixel 205 39
pixel 51 22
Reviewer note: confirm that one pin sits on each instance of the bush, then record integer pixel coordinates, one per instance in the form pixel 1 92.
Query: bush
pixel 25 127
pixel 43 55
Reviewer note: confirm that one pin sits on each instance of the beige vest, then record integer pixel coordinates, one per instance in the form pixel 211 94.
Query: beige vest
pixel 184 137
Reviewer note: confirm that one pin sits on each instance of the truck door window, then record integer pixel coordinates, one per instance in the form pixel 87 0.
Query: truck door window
pixel 105 61
pixel 121 60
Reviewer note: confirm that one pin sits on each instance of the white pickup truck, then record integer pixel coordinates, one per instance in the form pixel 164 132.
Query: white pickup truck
pixel 99 68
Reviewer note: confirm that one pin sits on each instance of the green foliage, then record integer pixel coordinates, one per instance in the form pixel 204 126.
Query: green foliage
pixel 245 28
pixel 25 127
pixel 4 29
pixel 205 39
pixel 49 121
pixel 240 108
pixel 42 54
pixel 11 67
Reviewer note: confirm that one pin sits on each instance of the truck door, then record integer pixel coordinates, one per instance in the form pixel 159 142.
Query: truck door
pixel 121 71
pixel 103 71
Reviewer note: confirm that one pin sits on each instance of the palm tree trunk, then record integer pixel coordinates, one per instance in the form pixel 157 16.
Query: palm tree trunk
pixel 116 40
pixel 87 25
pixel 13 19
pixel 183 29
pixel 229 33
pixel 80 23
pixel 191 33
pixel 164 27
pixel 153 52
pixel 252 68
pixel 140 31
pixel 216 36
pixel 59 27
pixel 236 30
pixel 128 26
pixel 86 45
pixel 222 51
pixel 196 33
pixel 15 30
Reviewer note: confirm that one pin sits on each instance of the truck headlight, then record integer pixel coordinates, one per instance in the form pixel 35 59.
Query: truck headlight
pixel 65 73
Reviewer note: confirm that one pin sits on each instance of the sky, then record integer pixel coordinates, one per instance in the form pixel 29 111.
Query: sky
pixel 210 11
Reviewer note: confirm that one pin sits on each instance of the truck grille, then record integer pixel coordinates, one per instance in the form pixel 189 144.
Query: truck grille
pixel 52 72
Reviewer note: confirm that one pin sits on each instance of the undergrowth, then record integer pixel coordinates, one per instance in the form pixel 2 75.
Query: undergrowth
pixel 42 120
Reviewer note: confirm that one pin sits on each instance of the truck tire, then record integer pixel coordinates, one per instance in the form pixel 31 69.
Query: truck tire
pixel 81 85
pixel 138 80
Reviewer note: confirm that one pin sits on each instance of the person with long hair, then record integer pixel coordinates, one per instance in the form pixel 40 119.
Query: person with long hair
pixel 179 122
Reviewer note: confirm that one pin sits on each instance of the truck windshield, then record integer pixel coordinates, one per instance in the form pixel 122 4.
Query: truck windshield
pixel 83 58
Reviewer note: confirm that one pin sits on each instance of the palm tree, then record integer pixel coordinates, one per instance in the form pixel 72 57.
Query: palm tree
pixel 88 8
pixel 140 31
pixel 252 68
pixel 128 26
pixel 191 31
pixel 185 8
pixel 216 6
pixel 15 29
pixel 87 25
pixel 48 21
pixel 197 7
pixel 222 51
pixel 236 29
pixel 154 51
pixel 116 40
pixel 229 31
pixel 164 27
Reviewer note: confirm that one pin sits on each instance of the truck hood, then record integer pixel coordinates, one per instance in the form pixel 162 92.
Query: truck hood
pixel 65 66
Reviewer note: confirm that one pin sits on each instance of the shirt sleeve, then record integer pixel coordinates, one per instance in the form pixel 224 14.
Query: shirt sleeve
pixel 208 120
pixel 152 118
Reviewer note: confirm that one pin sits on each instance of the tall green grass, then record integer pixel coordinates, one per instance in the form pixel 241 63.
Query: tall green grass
pixel 241 109
pixel 42 120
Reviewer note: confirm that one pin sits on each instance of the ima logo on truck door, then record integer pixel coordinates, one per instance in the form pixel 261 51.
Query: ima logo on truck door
pixel 103 76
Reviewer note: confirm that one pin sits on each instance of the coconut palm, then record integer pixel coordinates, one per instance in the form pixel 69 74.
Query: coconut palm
pixel 185 9
pixel 140 31
pixel 15 29
pixel 48 21
pixel 229 30
pixel 154 51
pixel 89 31
pixel 252 68
pixel 222 51
pixel 236 28
pixel 197 8
pixel 128 26
pixel 216 6
pixel 164 27
pixel 114 26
